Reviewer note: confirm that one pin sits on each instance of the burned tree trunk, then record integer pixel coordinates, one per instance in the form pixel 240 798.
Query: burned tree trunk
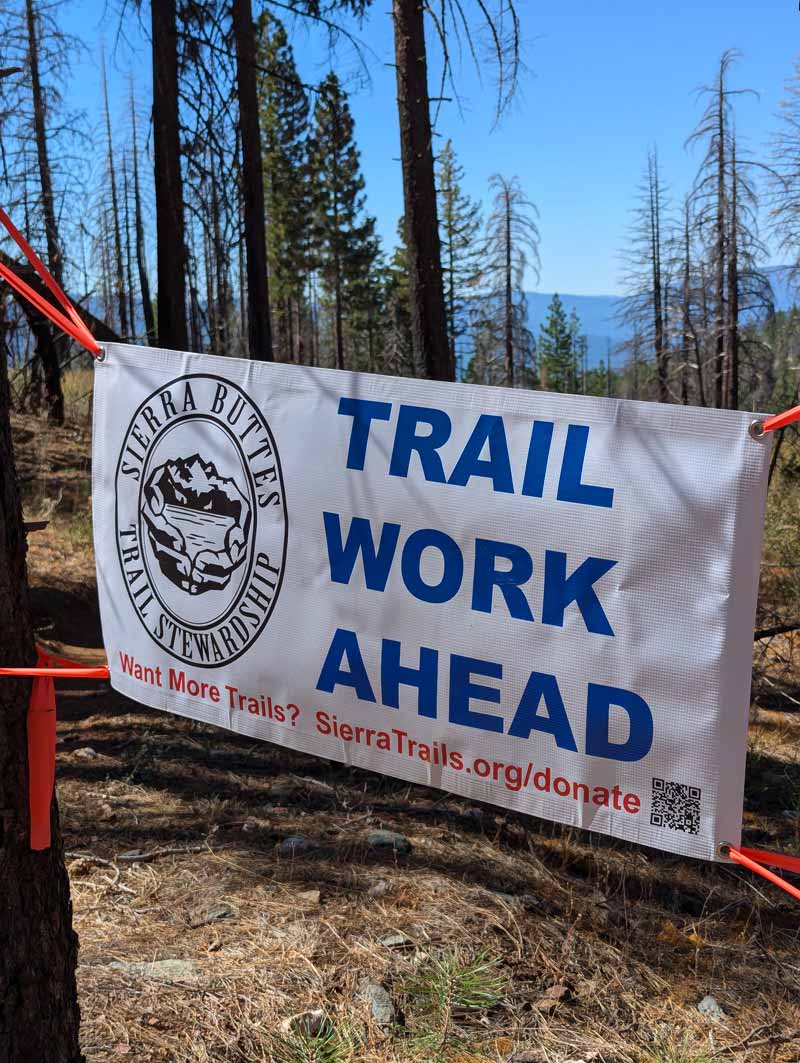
pixel 126 216
pixel 689 334
pixel 168 179
pixel 119 268
pixel 39 1015
pixel 428 315
pixel 659 331
pixel 508 296
pixel 53 350
pixel 732 330
pixel 720 250
pixel 141 263
pixel 253 180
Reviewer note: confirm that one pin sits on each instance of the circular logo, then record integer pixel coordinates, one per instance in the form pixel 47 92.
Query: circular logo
pixel 201 519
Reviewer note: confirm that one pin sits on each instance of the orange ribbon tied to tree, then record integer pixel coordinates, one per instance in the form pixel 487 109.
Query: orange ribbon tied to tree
pixel 42 734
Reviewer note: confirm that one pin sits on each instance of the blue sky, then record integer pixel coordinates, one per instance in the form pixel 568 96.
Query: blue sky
pixel 604 81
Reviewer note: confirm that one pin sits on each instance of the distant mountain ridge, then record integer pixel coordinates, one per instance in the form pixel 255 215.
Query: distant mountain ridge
pixel 598 313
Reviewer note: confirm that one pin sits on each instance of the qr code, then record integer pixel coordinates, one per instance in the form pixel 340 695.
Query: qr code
pixel 675 806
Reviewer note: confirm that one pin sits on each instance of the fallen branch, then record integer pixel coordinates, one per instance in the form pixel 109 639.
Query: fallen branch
pixel 753 1040
pixel 141 858
pixel 781 629
pixel 92 858
pixel 99 329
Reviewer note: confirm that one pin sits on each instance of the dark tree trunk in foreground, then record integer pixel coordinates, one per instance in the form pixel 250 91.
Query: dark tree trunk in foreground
pixel 52 348
pixel 39 1014
pixel 253 181
pixel 168 180
pixel 428 316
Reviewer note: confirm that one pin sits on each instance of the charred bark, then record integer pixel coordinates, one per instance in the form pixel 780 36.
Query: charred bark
pixel 172 330
pixel 508 297
pixel 39 1014
pixel 253 184
pixel 658 290
pixel 119 268
pixel 141 262
pixel 720 250
pixel 733 294
pixel 53 351
pixel 428 315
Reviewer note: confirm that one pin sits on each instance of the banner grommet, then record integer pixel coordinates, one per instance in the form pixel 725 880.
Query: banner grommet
pixel 756 430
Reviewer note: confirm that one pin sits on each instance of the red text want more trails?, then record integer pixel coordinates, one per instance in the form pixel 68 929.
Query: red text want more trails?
pixel 177 681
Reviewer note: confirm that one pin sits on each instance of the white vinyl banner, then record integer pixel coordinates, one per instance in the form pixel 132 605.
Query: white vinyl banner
pixel 541 601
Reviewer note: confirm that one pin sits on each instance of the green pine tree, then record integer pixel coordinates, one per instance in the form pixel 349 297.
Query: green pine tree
pixel 557 356
pixel 284 120
pixel 365 312
pixel 459 228
pixel 345 246
pixel 398 356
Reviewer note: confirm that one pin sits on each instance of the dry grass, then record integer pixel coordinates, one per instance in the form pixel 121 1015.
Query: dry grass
pixel 631 940
pixel 518 935
pixel 777 657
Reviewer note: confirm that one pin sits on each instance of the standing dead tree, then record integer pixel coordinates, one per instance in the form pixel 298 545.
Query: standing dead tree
pixel 119 267
pixel 511 249
pixel 712 190
pixel 725 209
pixel 51 348
pixel 428 313
pixel 643 309
pixel 785 183
pixel 138 216
pixel 37 133
pixel 252 182
pixel 172 331
pixel 689 348
pixel 726 213
pixel 211 157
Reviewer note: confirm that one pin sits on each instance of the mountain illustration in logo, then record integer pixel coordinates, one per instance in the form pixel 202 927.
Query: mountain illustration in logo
pixel 198 523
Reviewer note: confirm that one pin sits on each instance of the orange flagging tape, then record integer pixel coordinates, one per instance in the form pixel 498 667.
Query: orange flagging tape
pixel 754 860
pixel 41 758
pixel 71 323
pixel 42 734
pixel 781 420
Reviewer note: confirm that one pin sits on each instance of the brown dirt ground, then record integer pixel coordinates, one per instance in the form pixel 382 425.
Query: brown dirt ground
pixel 635 937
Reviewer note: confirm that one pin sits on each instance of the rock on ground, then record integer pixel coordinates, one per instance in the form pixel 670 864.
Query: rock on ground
pixel 389 841
pixel 380 1003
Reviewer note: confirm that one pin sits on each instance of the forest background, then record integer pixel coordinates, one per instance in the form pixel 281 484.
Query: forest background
pixel 680 285
pixel 400 189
